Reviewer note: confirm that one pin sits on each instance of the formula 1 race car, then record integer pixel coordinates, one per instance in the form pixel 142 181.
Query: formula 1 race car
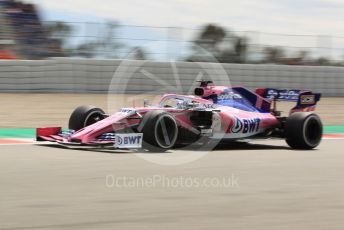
pixel 213 113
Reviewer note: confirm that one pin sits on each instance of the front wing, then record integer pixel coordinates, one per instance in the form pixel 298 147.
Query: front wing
pixel 116 140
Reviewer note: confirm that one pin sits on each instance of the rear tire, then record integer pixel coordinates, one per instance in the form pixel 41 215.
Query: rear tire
pixel 84 116
pixel 160 131
pixel 303 130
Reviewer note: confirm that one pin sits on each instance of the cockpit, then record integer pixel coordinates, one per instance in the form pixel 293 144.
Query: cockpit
pixel 180 102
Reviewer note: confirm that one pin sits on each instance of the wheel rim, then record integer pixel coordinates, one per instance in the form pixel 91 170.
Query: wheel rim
pixel 312 131
pixel 93 118
pixel 166 131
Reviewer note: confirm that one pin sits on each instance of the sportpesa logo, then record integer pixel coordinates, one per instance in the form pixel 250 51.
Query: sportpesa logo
pixel 245 125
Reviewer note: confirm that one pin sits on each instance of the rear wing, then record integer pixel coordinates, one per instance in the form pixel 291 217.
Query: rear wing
pixel 305 100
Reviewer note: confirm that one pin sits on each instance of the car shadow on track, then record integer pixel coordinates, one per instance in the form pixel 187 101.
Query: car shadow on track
pixel 237 146
pixel 92 149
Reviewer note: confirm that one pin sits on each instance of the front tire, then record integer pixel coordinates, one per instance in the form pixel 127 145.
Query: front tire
pixel 160 130
pixel 85 115
pixel 303 130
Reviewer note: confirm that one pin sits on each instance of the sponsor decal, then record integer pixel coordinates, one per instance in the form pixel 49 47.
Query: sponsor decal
pixel 250 125
pixel 127 110
pixel 289 94
pixel 272 94
pixel 237 126
pixel 128 140
pixel 228 94
pixel 283 94
pixel 307 99
pixel 208 106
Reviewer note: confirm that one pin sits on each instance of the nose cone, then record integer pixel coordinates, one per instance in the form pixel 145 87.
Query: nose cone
pixel 90 132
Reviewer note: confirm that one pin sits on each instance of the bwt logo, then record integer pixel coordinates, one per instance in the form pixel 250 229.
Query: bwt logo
pixel 245 125
pixel 129 140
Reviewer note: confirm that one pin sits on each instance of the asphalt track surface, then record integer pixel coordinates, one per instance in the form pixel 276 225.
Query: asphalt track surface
pixel 272 187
